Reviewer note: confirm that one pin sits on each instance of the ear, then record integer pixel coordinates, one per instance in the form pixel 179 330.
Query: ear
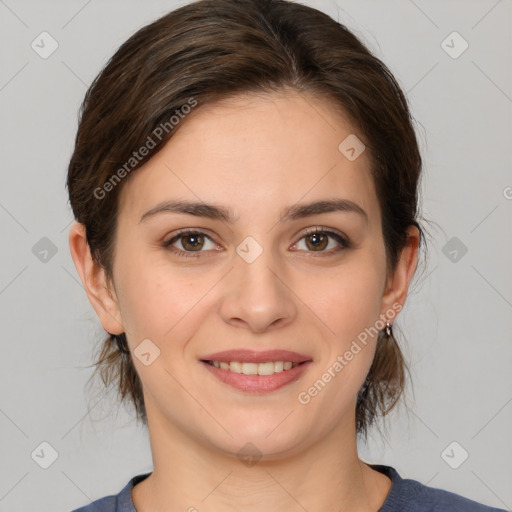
pixel 398 284
pixel 95 282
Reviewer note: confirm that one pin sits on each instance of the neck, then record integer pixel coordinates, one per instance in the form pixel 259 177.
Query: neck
pixel 189 476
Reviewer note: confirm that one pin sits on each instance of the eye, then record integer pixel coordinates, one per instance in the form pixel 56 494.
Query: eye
pixel 320 239
pixel 190 241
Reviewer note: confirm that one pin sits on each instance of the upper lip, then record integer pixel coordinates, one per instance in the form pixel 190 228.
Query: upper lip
pixel 251 356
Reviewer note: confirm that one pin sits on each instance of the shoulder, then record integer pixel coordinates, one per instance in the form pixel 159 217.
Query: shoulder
pixel 412 496
pixel 121 502
pixel 106 504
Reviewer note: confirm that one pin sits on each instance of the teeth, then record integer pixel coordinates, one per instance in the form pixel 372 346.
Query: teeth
pixel 235 366
pixel 265 368
pixel 254 368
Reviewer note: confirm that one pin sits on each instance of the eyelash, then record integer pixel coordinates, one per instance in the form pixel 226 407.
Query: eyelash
pixel 343 241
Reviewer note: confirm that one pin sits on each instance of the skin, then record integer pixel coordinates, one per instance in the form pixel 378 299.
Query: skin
pixel 255 154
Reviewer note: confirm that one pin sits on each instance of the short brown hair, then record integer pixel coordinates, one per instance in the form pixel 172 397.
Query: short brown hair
pixel 215 49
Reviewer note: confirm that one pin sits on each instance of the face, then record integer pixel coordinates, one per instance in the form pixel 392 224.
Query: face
pixel 266 282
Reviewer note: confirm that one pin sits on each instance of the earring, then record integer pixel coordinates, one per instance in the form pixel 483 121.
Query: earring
pixel 388 330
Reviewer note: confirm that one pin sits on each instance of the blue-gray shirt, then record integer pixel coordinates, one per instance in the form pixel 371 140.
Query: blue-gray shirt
pixel 404 496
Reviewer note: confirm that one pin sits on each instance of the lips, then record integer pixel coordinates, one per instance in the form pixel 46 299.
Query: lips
pixel 241 369
pixel 251 356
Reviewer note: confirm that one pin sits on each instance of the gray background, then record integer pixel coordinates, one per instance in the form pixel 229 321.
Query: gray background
pixel 457 319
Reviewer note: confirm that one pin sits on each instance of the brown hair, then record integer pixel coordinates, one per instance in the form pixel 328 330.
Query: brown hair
pixel 210 50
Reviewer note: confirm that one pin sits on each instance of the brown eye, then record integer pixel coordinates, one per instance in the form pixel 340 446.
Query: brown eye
pixel 188 242
pixel 317 241
pixel 192 242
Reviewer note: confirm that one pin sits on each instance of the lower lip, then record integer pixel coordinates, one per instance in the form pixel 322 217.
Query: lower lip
pixel 258 383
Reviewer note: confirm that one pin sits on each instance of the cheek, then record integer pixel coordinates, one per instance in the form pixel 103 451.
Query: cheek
pixel 160 301
pixel 351 308
pixel 351 300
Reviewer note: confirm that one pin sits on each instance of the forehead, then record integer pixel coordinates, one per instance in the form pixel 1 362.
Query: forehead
pixel 256 152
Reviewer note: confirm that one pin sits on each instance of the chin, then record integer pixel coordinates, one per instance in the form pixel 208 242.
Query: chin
pixel 257 439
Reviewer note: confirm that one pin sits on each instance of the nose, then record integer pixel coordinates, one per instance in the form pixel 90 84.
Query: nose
pixel 256 296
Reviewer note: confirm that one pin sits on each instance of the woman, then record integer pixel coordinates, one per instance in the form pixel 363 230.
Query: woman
pixel 245 186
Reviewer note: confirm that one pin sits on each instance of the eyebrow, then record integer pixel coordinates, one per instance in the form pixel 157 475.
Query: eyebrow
pixel 294 212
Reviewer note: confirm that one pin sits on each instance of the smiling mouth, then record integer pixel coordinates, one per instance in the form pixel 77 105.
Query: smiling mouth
pixel 267 368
